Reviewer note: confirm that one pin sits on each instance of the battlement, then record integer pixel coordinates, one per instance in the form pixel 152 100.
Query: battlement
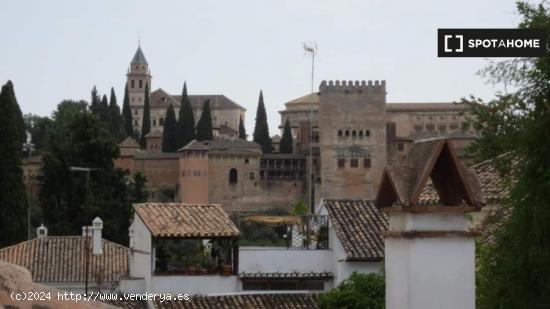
pixel 352 86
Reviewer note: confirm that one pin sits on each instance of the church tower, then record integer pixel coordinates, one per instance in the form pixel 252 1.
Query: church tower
pixel 138 76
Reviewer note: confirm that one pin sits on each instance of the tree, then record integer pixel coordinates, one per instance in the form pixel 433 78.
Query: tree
pixel 39 128
pixel 261 129
pixel 186 120
pixel 514 271
pixel 287 141
pixel 169 132
pixel 146 123
pixel 359 291
pixel 127 114
pixel 242 130
pixel 116 128
pixel 204 126
pixel 12 188
pixel 104 113
pixel 138 192
pixel 95 102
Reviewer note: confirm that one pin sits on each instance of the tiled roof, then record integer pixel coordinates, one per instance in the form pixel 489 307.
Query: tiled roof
pixel 161 98
pixel 186 220
pixel 62 259
pixel 154 133
pixel 290 275
pixel 222 145
pixel 128 143
pixel 358 225
pixel 227 130
pixel 139 57
pixel 493 186
pixel 151 155
pixel 248 301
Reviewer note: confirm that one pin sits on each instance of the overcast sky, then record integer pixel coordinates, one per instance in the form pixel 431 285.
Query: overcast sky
pixel 54 50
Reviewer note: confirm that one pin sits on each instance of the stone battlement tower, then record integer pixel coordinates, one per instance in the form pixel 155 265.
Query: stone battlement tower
pixel 352 130
pixel 138 76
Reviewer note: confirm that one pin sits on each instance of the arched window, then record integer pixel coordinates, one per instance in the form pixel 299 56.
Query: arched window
pixel 360 132
pixel 132 83
pixel 140 84
pixel 339 132
pixel 233 178
pixel 347 132
pixel 353 133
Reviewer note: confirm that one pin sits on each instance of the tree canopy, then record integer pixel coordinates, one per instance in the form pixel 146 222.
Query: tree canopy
pixel 127 114
pixel 261 128
pixel 359 291
pixel 186 120
pixel 287 141
pixel 242 130
pixel 204 126
pixel 169 143
pixel 146 123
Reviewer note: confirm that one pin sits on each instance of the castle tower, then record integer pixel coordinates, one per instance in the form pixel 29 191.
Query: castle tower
pixel 352 130
pixel 138 76
pixel 193 173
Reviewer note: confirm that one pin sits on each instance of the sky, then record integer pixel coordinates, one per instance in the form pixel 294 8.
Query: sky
pixel 54 50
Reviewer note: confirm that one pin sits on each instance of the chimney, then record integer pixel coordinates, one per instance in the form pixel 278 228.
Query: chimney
pixel 87 231
pixel 97 226
pixel 41 231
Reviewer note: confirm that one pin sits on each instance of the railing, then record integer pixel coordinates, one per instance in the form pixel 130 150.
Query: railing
pixel 309 232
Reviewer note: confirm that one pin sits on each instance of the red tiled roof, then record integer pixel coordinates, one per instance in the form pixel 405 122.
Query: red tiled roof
pixel 248 301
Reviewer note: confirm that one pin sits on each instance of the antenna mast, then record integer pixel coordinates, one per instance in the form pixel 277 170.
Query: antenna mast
pixel 311 48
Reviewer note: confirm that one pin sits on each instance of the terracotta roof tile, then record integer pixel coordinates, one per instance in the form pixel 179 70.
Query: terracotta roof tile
pixel 186 220
pixel 62 259
pixel 358 225
pixel 290 275
pixel 248 301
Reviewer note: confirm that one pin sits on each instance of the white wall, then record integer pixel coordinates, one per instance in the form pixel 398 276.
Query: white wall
pixel 276 259
pixel 203 285
pixel 140 252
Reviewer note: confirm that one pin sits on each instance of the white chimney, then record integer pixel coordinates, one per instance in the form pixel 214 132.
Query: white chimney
pixel 41 231
pixel 97 226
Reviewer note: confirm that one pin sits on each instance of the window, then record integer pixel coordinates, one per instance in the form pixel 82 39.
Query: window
pixel 341 163
pixel 367 133
pixel 339 132
pixel 246 160
pixel 353 133
pixel 360 132
pixel 233 178
pixel 161 122
pixel 140 84
pixel 347 132
pixel 132 83
pixel 251 175
pixel 135 110
pixel 154 122
pixel 354 163
pixel 366 162
pixel 400 146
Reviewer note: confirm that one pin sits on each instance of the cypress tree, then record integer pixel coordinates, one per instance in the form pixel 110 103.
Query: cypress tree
pixel 95 102
pixel 116 118
pixel 12 189
pixel 169 132
pixel 287 141
pixel 204 126
pixel 261 129
pixel 242 131
pixel 104 113
pixel 146 123
pixel 127 114
pixel 186 120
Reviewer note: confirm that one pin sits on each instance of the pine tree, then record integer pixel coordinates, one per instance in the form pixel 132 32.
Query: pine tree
pixel 116 118
pixel 146 124
pixel 242 131
pixel 169 132
pixel 95 102
pixel 127 114
pixel 12 189
pixel 261 129
pixel 287 141
pixel 204 126
pixel 186 120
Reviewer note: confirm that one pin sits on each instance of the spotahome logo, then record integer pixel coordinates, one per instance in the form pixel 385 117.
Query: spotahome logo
pixel 491 43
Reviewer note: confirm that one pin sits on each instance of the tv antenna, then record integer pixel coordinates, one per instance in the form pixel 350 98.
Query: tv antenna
pixel 311 48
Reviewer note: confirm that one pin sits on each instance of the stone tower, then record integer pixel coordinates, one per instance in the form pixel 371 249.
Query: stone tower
pixel 138 76
pixel 352 130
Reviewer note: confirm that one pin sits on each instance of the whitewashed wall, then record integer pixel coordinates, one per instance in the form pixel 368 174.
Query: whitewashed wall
pixel 275 259
pixel 204 285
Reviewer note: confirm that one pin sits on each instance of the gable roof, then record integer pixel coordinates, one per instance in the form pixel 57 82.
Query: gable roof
pixel 154 133
pixel 186 220
pixel 161 98
pixel 359 225
pixel 435 159
pixel 250 301
pixel 139 57
pixel 222 146
pixel 62 259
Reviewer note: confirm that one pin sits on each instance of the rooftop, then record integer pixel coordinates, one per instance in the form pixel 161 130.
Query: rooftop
pixel 139 58
pixel 358 225
pixel 223 145
pixel 61 259
pixel 160 98
pixel 186 220
pixel 279 301
pixel 129 142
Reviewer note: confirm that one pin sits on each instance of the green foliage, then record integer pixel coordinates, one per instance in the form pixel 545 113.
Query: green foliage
pixel 359 291
pixel 300 209
pixel 169 133
pixel 146 123
pixel 287 141
pixel 186 120
pixel 12 190
pixel 514 271
pixel 127 114
pixel 204 126
pixel 38 127
pixel 242 130
pixel 95 102
pixel 138 191
pixel 116 123
pixel 261 128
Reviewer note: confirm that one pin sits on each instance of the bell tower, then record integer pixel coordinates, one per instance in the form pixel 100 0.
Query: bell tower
pixel 138 76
